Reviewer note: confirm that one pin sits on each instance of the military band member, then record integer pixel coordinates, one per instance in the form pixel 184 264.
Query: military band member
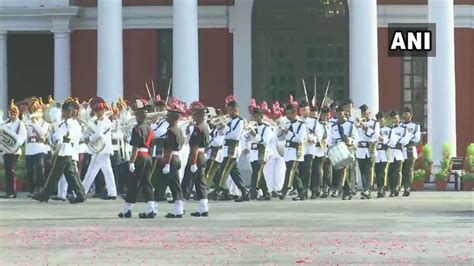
pixel 174 141
pixel 352 168
pixel 101 161
pixel 322 169
pixel 409 151
pixel 10 159
pixel 214 156
pixel 333 113
pixel 259 140
pixel 231 151
pixel 398 138
pixel 159 131
pixel 195 172
pixel 66 136
pixel 309 147
pixel 368 131
pixel 118 145
pixel 381 161
pixel 295 135
pixel 346 132
pixel 140 167
pixel 36 148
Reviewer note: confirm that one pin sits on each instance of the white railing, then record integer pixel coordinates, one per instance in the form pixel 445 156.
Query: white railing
pixel 33 3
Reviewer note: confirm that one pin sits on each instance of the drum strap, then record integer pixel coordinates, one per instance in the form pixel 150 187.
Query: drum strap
pixel 261 135
pixel 341 131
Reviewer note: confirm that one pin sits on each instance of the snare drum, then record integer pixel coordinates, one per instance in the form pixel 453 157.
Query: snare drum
pixel 340 155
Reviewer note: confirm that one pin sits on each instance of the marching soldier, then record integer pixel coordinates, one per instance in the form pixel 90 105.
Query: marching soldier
pixel 368 131
pixel 101 161
pixel 231 151
pixel 353 168
pixel 140 166
pixel 398 138
pixel 10 159
pixel 381 161
pixel 214 156
pixel 309 147
pixel 344 131
pixel 159 131
pixel 409 151
pixel 36 148
pixel 295 136
pixel 66 136
pixel 174 141
pixel 259 140
pixel 197 161
pixel 322 169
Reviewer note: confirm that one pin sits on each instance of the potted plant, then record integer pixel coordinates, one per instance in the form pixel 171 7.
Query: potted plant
pixel 441 177
pixel 427 154
pixel 467 180
pixel 418 179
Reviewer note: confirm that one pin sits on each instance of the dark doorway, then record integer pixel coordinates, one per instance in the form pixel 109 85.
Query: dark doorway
pixel 30 65
pixel 292 40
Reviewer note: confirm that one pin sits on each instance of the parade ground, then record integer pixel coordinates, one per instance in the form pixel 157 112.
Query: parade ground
pixel 427 228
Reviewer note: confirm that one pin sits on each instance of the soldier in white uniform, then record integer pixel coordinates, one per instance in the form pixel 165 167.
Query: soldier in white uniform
pixel 398 138
pixel 381 160
pixel 10 159
pixel 309 147
pixel 295 135
pixel 344 131
pixel 368 130
pixel 259 139
pixel 101 161
pixel 65 136
pixel 231 151
pixel 35 148
pixel 322 168
pixel 409 151
pixel 159 135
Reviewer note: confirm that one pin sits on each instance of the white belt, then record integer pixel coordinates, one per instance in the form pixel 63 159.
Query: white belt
pixel 175 153
pixel 143 149
pixel 200 149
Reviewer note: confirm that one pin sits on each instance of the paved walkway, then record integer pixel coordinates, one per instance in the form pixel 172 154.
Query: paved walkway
pixel 427 228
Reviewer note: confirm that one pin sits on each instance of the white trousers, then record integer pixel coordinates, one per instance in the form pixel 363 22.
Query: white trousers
pixel 274 172
pixel 100 162
pixel 62 187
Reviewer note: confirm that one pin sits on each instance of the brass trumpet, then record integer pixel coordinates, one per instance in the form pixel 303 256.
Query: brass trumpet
pixel 218 120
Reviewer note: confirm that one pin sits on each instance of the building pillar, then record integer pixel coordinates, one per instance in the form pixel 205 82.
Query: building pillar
pixel 62 65
pixel 185 50
pixel 3 75
pixel 441 80
pixel 109 50
pixel 241 27
pixel 363 60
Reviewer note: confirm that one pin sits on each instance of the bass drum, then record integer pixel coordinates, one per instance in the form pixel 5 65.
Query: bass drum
pixel 340 155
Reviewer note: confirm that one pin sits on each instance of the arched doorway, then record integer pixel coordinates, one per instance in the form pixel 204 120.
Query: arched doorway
pixel 300 39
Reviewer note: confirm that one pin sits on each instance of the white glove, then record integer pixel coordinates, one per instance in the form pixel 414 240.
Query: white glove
pixel 131 167
pixel 166 169
pixel 193 168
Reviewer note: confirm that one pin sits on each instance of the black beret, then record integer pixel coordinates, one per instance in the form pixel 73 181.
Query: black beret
pixel 324 110
pixel 333 105
pixel 363 108
pixel 199 110
pixel 257 111
pixel 348 101
pixel 143 110
pixel 303 104
pixel 68 106
pixel 407 109
pixel 174 112
pixel 160 104
pixel 232 104
pixel 379 115
pixel 290 107
pixel 340 109
pixel 393 113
